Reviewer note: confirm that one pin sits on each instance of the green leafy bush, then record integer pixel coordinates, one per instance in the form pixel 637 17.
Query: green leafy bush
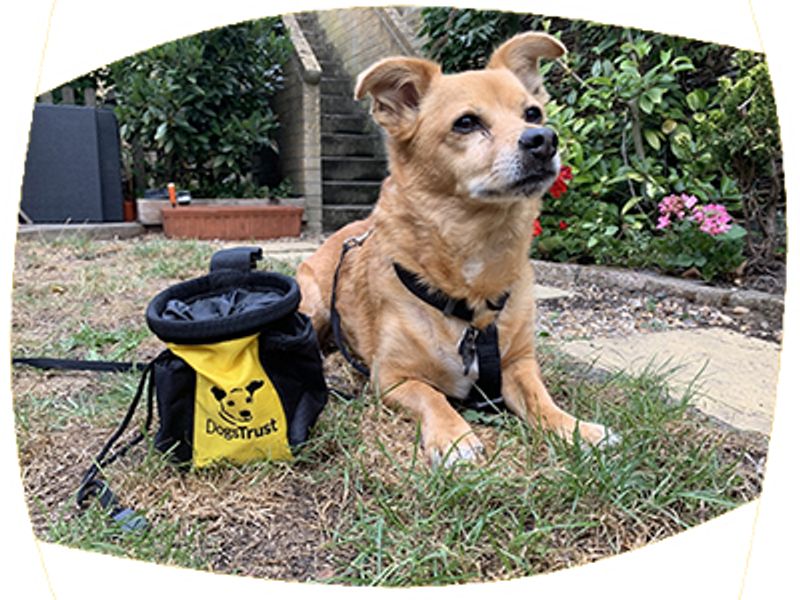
pixel 742 126
pixel 641 116
pixel 196 110
pixel 464 39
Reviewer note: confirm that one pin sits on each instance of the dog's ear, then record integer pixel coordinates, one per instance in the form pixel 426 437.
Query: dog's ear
pixel 397 86
pixel 219 394
pixel 253 386
pixel 521 55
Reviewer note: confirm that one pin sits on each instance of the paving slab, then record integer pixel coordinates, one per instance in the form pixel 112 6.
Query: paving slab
pixel 548 292
pixel 95 231
pixel 736 375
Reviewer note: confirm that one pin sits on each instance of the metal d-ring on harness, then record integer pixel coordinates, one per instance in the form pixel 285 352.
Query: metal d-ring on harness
pixel 477 347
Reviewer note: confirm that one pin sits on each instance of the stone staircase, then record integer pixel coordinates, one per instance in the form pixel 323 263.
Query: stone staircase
pixel 353 156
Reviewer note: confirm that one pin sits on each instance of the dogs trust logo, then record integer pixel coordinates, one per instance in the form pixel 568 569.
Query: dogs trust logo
pixel 238 407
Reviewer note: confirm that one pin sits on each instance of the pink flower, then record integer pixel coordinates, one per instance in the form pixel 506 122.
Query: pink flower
pixel 712 219
pixel 663 222
pixel 674 205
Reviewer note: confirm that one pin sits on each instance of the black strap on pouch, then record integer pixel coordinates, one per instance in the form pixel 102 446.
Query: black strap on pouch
pixel 92 484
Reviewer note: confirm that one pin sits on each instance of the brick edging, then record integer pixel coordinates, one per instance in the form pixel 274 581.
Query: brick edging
pixel 569 275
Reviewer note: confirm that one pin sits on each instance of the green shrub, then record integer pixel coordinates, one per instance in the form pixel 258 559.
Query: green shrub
pixel 196 110
pixel 464 39
pixel 742 126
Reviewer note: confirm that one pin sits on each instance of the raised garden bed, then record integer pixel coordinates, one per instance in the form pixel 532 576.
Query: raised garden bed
pixel 227 219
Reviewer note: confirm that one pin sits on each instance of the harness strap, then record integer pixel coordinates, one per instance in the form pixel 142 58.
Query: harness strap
pixel 475 345
pixel 436 298
pixel 336 321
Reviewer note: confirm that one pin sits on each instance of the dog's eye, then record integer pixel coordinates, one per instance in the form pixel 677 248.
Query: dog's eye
pixel 230 403
pixel 467 124
pixel 533 114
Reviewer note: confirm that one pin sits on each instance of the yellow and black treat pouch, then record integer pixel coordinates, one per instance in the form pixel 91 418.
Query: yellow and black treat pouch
pixel 241 378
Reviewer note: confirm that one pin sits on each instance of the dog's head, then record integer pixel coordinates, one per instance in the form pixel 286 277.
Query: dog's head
pixel 477 135
pixel 235 406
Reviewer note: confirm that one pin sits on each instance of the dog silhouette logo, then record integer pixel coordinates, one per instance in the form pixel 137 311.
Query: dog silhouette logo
pixel 236 405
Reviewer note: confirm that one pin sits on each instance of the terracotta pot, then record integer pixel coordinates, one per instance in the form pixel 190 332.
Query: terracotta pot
pixel 231 222
pixel 128 210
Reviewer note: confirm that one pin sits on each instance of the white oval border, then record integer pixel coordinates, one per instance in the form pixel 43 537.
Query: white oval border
pixel 749 552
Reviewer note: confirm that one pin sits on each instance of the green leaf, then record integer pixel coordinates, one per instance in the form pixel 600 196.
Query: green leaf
pixel 653 139
pixel 161 132
pixel 632 202
pixel 634 176
pixel 656 95
pixel 668 126
pixel 736 232
pixel 646 104
pixel 697 99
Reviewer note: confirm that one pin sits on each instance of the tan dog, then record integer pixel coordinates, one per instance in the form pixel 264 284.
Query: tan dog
pixel 469 159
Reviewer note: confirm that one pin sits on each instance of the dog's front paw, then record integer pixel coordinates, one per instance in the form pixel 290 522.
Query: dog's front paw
pixel 445 451
pixel 598 435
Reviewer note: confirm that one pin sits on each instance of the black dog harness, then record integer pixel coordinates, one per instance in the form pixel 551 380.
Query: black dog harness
pixel 477 347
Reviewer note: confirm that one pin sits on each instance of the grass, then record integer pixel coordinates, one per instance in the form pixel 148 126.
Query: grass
pixel 359 505
pixel 169 542
pixel 537 503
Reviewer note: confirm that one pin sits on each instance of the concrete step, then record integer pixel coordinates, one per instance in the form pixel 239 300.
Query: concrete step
pixel 350 168
pixel 354 123
pixel 338 104
pixel 335 217
pixel 337 85
pixel 331 68
pixel 354 193
pixel 351 144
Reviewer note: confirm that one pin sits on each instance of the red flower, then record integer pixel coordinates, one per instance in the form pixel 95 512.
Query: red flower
pixel 560 184
pixel 537 228
pixel 562 225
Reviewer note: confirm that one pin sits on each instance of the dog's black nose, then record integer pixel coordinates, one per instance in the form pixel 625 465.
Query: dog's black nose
pixel 540 142
pixel 245 414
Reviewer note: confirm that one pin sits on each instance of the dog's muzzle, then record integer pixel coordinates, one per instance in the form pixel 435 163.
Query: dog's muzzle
pixel 538 161
pixel 539 144
pixel 525 171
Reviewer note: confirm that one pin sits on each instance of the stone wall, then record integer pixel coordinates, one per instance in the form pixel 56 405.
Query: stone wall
pixel 362 36
pixel 298 109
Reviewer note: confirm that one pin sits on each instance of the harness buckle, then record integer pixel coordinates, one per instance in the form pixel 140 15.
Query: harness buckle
pixel 357 240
